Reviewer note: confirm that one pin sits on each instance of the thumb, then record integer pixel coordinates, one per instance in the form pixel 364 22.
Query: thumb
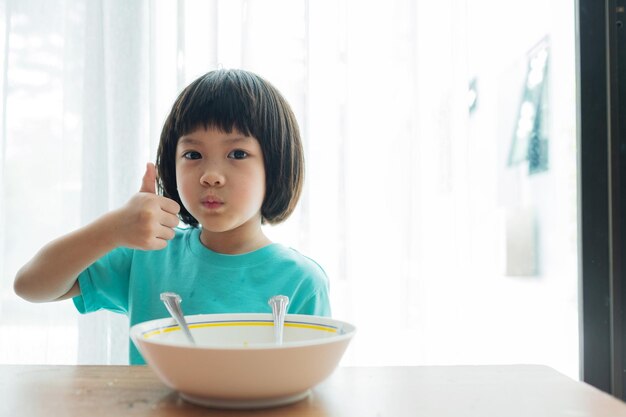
pixel 148 183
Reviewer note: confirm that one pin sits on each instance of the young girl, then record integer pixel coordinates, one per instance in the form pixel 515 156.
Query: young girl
pixel 229 160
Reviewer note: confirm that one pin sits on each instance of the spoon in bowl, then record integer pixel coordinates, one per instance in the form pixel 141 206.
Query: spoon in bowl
pixel 172 303
pixel 279 309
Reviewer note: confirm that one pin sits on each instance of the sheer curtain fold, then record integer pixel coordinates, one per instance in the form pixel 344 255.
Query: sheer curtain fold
pixel 4 25
pixel 115 133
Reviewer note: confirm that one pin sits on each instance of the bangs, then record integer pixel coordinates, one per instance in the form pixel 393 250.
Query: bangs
pixel 216 101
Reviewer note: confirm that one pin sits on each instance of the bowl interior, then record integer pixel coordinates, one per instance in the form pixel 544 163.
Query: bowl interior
pixel 243 331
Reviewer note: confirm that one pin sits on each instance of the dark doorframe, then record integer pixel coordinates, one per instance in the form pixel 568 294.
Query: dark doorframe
pixel 601 74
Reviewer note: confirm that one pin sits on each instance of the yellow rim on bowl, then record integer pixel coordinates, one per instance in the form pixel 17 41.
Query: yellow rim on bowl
pixel 232 323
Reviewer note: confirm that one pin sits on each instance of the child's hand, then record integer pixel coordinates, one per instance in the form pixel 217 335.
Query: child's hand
pixel 148 220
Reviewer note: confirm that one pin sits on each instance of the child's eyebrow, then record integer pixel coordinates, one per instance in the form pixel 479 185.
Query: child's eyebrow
pixel 188 140
pixel 241 139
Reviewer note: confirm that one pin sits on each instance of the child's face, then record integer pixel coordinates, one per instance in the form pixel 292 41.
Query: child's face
pixel 221 179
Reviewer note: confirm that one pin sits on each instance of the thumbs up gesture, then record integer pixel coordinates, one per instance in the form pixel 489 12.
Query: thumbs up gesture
pixel 148 183
pixel 147 221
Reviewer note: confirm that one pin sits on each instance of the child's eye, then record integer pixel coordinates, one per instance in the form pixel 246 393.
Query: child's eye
pixel 192 155
pixel 238 154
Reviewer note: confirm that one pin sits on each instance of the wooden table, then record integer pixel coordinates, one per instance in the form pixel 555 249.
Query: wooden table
pixel 439 391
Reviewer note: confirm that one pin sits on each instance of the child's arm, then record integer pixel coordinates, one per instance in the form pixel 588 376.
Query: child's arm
pixel 145 222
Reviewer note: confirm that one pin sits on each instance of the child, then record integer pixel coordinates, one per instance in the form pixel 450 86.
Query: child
pixel 229 160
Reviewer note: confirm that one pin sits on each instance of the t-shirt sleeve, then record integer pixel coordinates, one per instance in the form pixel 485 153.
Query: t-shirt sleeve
pixel 318 304
pixel 104 284
pixel 312 297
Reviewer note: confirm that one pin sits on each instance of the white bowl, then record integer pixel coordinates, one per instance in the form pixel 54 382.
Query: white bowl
pixel 236 362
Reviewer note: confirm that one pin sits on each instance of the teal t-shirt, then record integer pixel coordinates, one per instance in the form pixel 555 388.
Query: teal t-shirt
pixel 130 281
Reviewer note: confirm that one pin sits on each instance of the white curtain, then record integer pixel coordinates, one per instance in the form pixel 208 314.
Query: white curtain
pixel 407 191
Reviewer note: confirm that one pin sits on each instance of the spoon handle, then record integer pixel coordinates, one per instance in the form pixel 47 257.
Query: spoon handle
pixel 279 309
pixel 172 303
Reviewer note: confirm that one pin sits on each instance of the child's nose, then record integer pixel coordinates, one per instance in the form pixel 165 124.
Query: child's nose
pixel 212 178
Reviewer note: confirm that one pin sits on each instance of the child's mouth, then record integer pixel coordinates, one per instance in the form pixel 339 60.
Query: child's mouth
pixel 212 204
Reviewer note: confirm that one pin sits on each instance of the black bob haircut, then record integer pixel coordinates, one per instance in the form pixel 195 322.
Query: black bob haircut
pixel 227 99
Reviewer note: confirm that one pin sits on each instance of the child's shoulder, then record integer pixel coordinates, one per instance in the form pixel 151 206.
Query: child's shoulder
pixel 290 256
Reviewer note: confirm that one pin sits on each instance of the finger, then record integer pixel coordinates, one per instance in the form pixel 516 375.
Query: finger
pixel 169 205
pixel 166 233
pixel 148 183
pixel 169 220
